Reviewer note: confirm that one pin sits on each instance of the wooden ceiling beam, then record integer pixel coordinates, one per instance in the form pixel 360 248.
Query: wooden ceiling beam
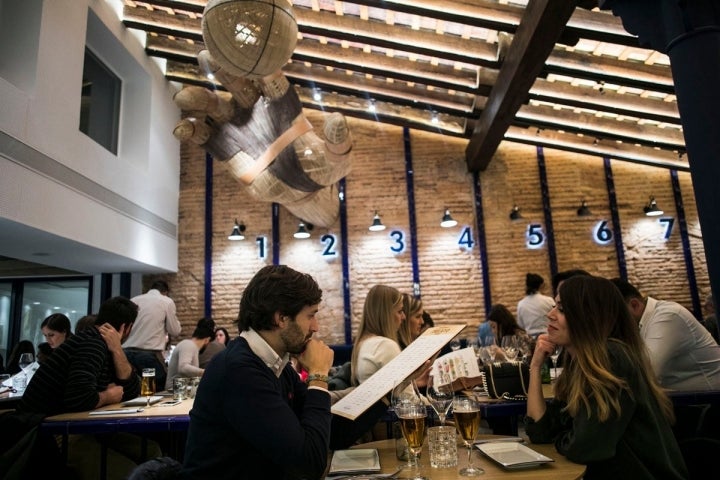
pixel 605 100
pixel 416 94
pixel 603 148
pixel 599 127
pixel 445 77
pixel 578 64
pixel 541 25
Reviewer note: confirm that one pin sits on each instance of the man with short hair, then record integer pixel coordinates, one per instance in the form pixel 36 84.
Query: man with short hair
pixel 683 354
pixel 87 371
pixel 253 417
pixel 533 308
pixel 156 322
pixel 185 359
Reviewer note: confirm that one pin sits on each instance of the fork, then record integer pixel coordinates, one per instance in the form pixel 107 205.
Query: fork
pixel 369 476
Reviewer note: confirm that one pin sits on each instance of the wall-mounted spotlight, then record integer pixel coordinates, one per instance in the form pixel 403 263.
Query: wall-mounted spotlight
pixel 447 220
pixel 377 224
pixel 583 211
pixel 515 213
pixel 651 209
pixel 237 231
pixel 303 230
pixel 434 118
pixel 317 96
pixel 371 106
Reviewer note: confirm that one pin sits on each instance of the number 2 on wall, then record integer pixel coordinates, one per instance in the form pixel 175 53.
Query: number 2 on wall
pixel 329 241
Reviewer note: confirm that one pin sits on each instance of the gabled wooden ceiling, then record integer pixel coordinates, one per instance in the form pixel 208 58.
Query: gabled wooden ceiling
pixel 541 72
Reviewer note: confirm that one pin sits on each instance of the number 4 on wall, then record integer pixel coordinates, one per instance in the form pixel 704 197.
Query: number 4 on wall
pixel 466 239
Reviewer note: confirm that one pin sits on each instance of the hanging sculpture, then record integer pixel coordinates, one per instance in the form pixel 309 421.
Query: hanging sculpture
pixel 257 128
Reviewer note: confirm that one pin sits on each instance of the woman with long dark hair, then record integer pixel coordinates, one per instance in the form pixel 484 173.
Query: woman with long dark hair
pixel 609 412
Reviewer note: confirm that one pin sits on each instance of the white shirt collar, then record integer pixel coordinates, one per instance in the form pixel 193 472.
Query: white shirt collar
pixel 262 349
pixel 649 310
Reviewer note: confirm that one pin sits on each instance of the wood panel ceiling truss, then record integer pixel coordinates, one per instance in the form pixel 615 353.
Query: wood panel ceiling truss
pixel 580 83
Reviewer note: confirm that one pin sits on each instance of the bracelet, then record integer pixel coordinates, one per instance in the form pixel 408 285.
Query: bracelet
pixel 316 377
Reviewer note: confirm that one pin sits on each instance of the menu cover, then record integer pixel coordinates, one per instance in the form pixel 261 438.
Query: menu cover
pixel 142 401
pixel 399 368
pixel 358 460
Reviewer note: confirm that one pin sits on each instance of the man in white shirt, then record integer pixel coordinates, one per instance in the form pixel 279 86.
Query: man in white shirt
pixel 532 310
pixel 156 320
pixel 682 352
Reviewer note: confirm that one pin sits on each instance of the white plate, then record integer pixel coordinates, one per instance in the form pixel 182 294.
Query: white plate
pixel 357 460
pixel 513 455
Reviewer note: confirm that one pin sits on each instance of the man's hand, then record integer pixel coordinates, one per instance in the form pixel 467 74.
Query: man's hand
pixel 112 337
pixel 317 357
pixel 112 394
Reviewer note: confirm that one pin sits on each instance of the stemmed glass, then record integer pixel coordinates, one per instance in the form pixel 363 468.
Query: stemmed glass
pixel 147 386
pixel 510 347
pixel 466 411
pixel 25 360
pixel 412 422
pixel 554 356
pixel 440 397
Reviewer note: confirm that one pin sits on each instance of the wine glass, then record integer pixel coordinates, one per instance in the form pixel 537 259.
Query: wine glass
pixel 509 345
pixel 26 359
pixel 466 411
pixel 147 386
pixel 412 422
pixel 440 397
pixel 554 357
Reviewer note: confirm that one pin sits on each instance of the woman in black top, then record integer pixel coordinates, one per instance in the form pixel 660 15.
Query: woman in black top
pixel 609 411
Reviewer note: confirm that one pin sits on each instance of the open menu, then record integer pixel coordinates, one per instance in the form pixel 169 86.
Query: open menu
pixel 399 368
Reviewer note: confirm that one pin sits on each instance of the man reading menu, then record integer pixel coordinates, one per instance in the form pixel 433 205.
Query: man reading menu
pixel 253 416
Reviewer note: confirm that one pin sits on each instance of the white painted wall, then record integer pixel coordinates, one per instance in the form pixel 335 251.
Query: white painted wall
pixel 42 112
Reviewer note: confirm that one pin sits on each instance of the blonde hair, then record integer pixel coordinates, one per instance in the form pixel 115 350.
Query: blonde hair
pixel 377 319
pixel 411 306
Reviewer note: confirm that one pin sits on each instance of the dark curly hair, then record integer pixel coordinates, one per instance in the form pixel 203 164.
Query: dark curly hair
pixel 276 288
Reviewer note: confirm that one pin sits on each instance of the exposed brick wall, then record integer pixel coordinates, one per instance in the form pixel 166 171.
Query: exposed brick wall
pixel 450 276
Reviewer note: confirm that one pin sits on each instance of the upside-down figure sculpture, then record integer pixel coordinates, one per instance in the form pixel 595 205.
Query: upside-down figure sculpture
pixel 257 127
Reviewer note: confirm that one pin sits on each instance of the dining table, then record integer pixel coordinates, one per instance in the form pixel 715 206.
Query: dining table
pixel 140 420
pixel 559 469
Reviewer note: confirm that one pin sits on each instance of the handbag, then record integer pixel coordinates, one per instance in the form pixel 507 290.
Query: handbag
pixel 506 380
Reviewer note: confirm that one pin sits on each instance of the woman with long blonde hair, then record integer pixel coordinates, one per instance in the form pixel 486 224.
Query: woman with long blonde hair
pixel 376 341
pixel 608 411
pixel 411 327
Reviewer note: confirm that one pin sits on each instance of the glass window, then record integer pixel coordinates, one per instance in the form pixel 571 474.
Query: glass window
pixel 43 298
pixel 5 296
pixel 100 102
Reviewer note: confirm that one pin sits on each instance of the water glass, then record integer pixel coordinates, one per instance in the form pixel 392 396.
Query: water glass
pixel 442 443
pixel 19 383
pixel 179 388
pixel 192 385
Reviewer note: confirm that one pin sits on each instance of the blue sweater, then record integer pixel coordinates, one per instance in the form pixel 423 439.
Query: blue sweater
pixel 248 424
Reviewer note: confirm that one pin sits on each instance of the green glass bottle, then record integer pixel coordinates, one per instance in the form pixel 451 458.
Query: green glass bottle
pixel 545 373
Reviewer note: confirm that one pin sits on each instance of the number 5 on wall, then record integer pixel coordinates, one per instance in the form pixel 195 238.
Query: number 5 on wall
pixel 535 237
